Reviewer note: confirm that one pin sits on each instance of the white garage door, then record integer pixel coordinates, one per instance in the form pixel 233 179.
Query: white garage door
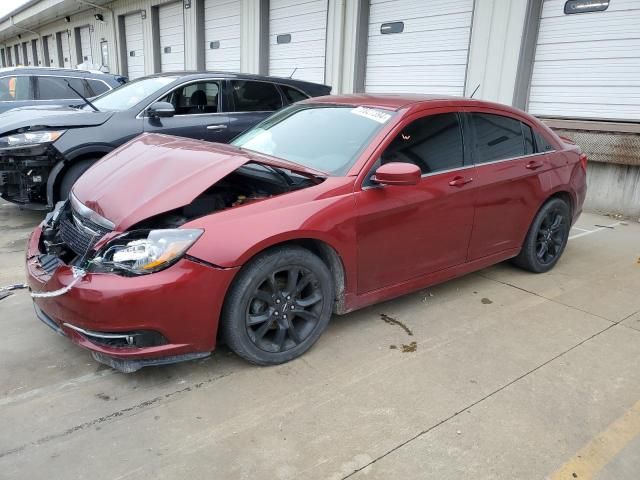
pixel 222 35
pixel 171 37
pixel 52 49
pixel 66 50
pixel 85 45
pixel 27 46
pixel 134 41
pixel 418 47
pixel 297 39
pixel 587 65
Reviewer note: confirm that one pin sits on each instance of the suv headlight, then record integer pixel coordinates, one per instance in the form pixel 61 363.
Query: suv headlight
pixel 143 251
pixel 30 138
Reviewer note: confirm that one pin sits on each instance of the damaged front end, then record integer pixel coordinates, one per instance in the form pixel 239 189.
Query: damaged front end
pixel 26 161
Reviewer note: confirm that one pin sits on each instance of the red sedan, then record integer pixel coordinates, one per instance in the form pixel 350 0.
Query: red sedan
pixel 168 244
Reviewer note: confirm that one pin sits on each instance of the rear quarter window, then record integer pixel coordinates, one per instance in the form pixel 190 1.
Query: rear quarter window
pixel 97 87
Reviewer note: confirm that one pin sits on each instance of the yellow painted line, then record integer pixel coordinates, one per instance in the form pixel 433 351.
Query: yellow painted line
pixel 594 456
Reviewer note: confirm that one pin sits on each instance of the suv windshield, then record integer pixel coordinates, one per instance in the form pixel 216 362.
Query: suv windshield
pixel 131 93
pixel 328 138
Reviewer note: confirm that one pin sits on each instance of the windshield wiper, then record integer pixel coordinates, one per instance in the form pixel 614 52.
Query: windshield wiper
pixel 280 172
pixel 82 96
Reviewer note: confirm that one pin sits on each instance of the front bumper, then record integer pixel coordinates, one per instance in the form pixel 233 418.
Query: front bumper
pixel 181 303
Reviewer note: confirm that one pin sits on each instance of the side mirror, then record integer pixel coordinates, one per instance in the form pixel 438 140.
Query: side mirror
pixel 161 109
pixel 397 173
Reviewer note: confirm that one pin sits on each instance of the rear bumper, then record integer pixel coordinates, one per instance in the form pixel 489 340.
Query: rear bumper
pixel 181 304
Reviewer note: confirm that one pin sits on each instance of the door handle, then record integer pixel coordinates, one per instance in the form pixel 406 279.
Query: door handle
pixel 216 127
pixel 533 165
pixel 459 181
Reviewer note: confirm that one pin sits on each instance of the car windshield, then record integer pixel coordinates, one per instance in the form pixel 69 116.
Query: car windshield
pixel 328 138
pixel 130 94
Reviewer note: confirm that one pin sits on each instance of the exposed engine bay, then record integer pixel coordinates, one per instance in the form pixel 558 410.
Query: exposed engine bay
pixel 70 233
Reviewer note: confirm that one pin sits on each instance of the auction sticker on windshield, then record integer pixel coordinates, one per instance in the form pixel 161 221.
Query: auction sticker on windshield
pixel 371 114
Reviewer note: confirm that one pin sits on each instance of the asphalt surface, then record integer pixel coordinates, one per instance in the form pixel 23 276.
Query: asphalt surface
pixel 499 374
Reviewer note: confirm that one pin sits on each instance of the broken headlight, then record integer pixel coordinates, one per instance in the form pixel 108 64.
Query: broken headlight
pixel 26 139
pixel 144 251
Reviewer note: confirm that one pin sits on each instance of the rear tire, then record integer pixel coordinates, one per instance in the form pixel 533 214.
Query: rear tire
pixel 73 173
pixel 547 237
pixel 278 306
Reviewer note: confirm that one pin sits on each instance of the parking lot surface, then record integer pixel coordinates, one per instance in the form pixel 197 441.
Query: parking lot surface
pixel 499 374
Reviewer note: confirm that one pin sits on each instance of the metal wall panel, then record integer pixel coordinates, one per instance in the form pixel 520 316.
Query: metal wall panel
pixel 222 35
pixel 429 55
pixel 134 40
pixel 304 25
pixel 588 65
pixel 171 26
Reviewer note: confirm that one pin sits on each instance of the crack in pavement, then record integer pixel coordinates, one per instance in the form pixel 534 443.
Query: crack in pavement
pixel 473 404
pixel 119 413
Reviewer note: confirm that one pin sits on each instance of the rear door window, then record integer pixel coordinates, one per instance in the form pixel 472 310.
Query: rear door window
pixel 496 137
pixel 14 88
pixel 249 96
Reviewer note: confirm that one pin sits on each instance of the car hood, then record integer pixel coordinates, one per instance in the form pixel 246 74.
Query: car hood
pixel 51 117
pixel 153 174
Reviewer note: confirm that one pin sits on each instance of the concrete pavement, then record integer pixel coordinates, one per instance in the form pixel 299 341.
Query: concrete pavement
pixel 512 375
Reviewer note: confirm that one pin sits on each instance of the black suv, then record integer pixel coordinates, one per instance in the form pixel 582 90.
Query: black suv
pixel 43 151
pixel 23 87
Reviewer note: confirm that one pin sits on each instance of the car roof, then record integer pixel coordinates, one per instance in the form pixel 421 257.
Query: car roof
pixel 410 101
pixel 185 75
pixel 60 71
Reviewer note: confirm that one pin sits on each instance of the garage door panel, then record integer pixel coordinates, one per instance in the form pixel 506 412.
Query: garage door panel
pixel 134 40
pixel 429 55
pixel 408 9
pixel 416 59
pixel 222 25
pixel 304 54
pixel 171 25
pixel 587 65
pixel 280 9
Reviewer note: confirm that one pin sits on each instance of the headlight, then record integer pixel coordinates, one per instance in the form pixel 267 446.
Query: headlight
pixel 141 252
pixel 30 138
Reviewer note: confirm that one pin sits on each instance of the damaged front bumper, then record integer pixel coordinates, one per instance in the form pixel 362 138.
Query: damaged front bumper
pixel 24 173
pixel 132 322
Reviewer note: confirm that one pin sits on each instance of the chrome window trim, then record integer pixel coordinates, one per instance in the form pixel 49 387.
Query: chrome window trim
pixel 513 158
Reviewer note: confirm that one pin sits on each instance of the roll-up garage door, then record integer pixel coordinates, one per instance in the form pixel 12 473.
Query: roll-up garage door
pixel 134 41
pixel 66 50
pixel 418 47
pixel 171 23
pixel 26 47
pixel 222 35
pixel 85 45
pixel 587 65
pixel 297 39
pixel 52 49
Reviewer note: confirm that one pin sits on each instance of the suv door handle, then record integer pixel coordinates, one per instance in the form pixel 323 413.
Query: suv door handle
pixel 216 127
pixel 533 165
pixel 459 181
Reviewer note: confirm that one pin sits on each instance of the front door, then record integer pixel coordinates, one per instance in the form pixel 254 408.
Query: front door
pixel 405 232
pixel 198 113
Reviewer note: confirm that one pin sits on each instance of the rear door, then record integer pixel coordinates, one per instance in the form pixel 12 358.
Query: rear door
pixel 509 180
pixel 199 113
pixel 405 232
pixel 251 102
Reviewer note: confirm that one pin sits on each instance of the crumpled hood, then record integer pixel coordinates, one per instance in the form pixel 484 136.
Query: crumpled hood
pixel 153 174
pixel 51 117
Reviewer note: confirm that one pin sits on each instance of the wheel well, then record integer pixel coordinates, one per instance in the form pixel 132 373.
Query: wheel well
pixel 80 158
pixel 566 196
pixel 331 259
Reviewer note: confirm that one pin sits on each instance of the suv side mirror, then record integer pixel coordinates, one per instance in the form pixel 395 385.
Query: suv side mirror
pixel 161 109
pixel 397 173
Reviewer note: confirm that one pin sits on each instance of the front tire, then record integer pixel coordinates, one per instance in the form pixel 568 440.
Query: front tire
pixel 547 237
pixel 70 177
pixel 278 306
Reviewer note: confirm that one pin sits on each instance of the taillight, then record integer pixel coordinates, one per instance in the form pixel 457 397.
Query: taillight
pixel 583 161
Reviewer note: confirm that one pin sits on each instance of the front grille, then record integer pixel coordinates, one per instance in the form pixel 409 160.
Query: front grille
pixel 79 233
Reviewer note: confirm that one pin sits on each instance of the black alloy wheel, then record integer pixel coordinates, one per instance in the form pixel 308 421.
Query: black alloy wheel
pixel 278 305
pixel 547 237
